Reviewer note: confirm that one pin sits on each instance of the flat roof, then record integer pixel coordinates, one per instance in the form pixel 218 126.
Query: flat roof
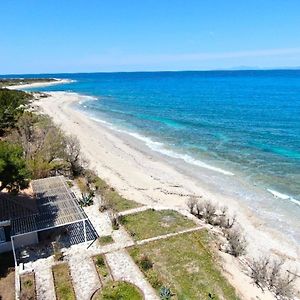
pixel 56 205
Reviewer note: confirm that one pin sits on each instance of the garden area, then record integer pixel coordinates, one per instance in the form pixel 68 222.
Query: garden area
pixel 119 290
pixel 151 223
pixel 63 282
pixel 27 287
pixel 183 266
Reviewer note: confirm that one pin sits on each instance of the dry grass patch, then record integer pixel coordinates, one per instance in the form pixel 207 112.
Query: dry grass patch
pixel 27 287
pixel 185 264
pixel 151 223
pixel 102 268
pixel 63 282
pixel 105 240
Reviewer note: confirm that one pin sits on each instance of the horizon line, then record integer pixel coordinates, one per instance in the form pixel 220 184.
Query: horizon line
pixel 242 69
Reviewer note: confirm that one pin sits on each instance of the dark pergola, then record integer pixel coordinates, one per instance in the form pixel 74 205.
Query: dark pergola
pixel 56 206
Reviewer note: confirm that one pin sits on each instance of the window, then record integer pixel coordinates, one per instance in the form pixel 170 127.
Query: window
pixel 2 235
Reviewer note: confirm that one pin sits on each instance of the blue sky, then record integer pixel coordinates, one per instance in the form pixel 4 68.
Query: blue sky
pixel 140 35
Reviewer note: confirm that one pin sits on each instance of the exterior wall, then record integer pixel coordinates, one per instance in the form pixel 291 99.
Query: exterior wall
pixel 26 239
pixel 20 241
pixel 5 247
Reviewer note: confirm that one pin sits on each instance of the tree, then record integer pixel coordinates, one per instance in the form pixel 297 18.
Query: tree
pixel 13 172
pixel 259 271
pixel 191 204
pixel 209 211
pixel 47 150
pixel 268 274
pixel 236 241
pixel 72 154
pixel 12 105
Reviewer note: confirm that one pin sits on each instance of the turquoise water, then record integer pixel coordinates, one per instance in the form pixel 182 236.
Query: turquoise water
pixel 233 122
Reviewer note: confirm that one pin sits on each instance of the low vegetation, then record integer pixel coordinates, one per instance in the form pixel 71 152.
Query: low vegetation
pixel 17 81
pixel 119 290
pixel 151 223
pixel 268 273
pixel 183 266
pixel 117 202
pixel 62 282
pixel 102 269
pixel 209 212
pixel 27 287
pixel 110 198
pixel 91 184
pixel 105 240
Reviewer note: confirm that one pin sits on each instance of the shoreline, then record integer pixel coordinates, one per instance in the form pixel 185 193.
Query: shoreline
pixel 140 174
pixel 265 208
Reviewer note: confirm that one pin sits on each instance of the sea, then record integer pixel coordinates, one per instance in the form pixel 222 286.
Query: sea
pixel 241 125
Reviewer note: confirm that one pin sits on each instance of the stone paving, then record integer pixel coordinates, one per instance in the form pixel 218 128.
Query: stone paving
pixel 134 210
pixel 44 279
pixel 165 236
pixel 100 220
pixel 122 238
pixel 83 272
pixel 123 268
pixel 84 275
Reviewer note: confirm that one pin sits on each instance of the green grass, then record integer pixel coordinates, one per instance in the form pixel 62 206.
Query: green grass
pixel 105 240
pixel 27 287
pixel 117 202
pixel 119 290
pixel 185 264
pixel 102 268
pixel 151 223
pixel 62 282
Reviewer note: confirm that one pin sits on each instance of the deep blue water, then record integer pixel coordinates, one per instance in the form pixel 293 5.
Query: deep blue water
pixel 245 122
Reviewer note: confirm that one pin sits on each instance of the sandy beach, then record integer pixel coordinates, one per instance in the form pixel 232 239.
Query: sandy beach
pixel 140 174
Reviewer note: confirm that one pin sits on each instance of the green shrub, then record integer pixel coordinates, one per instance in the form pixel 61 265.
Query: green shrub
pixel 100 261
pixel 165 293
pixel 86 200
pixel 145 263
pixel 70 183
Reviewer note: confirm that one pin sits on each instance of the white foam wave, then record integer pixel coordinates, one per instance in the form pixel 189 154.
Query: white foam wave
pixel 160 147
pixel 85 98
pixel 283 196
pixel 101 121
